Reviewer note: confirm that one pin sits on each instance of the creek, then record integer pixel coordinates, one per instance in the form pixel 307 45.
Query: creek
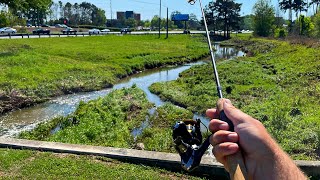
pixel 15 122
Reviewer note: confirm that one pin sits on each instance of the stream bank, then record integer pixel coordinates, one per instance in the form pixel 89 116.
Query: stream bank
pixel 25 119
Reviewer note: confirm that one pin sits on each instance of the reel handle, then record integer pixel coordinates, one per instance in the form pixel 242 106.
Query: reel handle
pixel 235 161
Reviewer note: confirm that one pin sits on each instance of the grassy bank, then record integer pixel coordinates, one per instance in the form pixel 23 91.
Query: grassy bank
pixel 16 164
pixel 107 121
pixel 32 70
pixel 279 84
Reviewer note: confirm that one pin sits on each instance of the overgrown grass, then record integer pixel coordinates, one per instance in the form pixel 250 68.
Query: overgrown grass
pixel 17 164
pixel 279 85
pixel 107 121
pixel 158 136
pixel 31 70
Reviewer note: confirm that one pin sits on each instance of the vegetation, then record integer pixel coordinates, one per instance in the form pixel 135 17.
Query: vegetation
pixel 107 121
pixel 33 70
pixel 78 13
pixel 279 85
pixel 263 18
pixel 158 136
pixel 16 164
pixel 226 13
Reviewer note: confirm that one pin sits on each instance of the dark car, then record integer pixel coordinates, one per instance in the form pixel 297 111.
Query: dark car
pixel 69 31
pixel 186 32
pixel 125 30
pixel 41 31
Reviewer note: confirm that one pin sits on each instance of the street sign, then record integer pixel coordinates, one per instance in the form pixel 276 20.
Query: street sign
pixel 180 17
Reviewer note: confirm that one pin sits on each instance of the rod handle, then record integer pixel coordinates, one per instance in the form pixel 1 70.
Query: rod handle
pixel 235 162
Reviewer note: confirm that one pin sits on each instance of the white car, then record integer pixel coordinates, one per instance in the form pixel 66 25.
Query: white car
pixel 94 31
pixel 8 30
pixel 105 30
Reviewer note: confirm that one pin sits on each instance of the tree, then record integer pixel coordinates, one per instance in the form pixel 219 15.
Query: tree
pixel 247 22
pixel 298 6
pixel 131 22
pixel 227 12
pixel 317 3
pixel 316 20
pixel 4 21
pixel 263 17
pixel 193 22
pixel 305 25
pixel 155 22
pixel 287 5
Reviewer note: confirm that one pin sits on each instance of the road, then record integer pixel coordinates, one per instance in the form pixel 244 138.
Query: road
pixel 85 34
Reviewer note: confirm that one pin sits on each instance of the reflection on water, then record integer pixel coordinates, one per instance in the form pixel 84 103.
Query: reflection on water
pixel 17 121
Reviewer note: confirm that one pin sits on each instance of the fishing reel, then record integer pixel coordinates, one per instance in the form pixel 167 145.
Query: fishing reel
pixel 187 138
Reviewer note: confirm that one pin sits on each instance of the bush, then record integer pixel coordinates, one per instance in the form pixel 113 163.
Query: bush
pixel 22 30
pixel 280 33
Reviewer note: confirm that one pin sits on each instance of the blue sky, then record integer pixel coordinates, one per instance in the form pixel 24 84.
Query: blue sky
pixel 149 8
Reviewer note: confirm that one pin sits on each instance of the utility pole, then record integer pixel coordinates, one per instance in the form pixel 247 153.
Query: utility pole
pixel 111 13
pixel 167 23
pixel 160 19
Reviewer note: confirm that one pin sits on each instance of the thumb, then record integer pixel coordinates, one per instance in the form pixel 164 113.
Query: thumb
pixel 235 115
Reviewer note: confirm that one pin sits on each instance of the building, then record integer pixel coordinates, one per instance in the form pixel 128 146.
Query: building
pixel 127 15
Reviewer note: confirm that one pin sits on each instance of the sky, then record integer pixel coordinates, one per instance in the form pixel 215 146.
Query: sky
pixel 149 8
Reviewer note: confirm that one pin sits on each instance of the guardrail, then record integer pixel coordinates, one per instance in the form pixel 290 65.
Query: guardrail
pixel 27 35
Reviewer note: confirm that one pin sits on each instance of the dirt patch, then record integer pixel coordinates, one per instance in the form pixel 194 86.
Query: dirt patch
pixel 15 100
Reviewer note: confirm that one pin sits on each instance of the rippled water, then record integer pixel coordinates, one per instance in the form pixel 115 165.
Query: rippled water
pixel 17 121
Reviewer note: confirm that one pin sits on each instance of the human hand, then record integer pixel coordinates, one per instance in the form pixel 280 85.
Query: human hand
pixel 261 154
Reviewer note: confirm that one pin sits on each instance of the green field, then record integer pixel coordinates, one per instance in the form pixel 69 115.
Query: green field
pixel 278 84
pixel 16 164
pixel 33 70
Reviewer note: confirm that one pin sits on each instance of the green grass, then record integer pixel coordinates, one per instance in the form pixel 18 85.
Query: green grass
pixel 279 85
pixel 17 164
pixel 36 69
pixel 158 136
pixel 107 121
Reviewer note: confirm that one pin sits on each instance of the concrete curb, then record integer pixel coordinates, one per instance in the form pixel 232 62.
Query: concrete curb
pixel 209 167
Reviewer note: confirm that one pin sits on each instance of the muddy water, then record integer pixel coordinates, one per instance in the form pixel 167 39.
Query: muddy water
pixel 14 122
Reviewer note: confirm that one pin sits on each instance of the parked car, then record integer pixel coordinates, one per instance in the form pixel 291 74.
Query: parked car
pixel 8 30
pixel 61 26
pixel 41 31
pixel 69 30
pixel 45 25
pixel 125 30
pixel 94 31
pixel 186 32
pixel 105 30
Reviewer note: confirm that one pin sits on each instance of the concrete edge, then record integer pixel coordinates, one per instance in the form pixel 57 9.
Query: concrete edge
pixel 208 167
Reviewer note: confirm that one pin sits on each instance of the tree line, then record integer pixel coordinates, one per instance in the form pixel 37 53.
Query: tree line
pixel 38 12
pixel 221 15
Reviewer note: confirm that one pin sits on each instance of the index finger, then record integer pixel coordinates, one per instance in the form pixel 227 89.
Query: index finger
pixel 212 113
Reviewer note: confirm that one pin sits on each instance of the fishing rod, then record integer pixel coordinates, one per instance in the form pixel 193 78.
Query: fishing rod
pixel 187 135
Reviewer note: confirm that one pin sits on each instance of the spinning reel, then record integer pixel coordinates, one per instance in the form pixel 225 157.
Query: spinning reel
pixel 187 138
pixel 186 134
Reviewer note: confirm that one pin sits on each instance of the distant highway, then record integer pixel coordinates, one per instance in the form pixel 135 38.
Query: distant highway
pixel 85 34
